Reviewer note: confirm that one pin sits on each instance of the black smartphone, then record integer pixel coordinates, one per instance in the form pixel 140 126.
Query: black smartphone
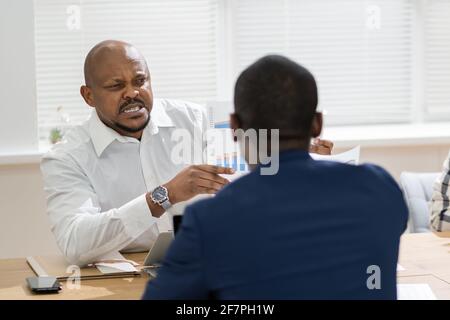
pixel 44 284
pixel 176 223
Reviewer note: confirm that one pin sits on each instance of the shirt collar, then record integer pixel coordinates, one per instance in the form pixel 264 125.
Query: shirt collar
pixel 102 136
pixel 288 155
pixel 159 116
pixel 296 154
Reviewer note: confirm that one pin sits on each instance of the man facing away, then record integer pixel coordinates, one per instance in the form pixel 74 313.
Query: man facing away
pixel 112 184
pixel 313 230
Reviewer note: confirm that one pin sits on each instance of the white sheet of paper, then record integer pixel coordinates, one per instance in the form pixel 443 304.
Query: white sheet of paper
pixel 417 291
pixel 223 151
pixel 113 255
pixel 113 262
pixel 351 156
pixel 115 267
pixel 400 268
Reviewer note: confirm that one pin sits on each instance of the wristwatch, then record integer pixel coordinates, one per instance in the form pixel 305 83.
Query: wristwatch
pixel 160 196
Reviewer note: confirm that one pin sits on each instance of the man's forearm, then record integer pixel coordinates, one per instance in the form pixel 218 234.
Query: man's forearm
pixel 86 235
pixel 156 210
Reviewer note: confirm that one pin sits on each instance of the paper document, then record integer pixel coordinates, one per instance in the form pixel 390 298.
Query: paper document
pixel 400 268
pixel 114 262
pixel 349 157
pixel 219 113
pixel 222 151
pixel 419 291
pixel 115 267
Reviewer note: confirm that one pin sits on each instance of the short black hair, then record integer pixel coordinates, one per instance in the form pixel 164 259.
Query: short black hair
pixel 276 93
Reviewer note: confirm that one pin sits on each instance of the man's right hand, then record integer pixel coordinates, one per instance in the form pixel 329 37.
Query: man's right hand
pixel 195 180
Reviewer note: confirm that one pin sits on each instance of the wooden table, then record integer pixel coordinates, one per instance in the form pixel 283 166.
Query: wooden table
pixel 13 286
pixel 425 257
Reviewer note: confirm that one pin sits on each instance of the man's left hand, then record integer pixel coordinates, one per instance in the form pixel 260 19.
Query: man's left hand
pixel 320 146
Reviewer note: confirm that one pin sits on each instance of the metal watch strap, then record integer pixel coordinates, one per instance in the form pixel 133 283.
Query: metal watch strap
pixel 166 204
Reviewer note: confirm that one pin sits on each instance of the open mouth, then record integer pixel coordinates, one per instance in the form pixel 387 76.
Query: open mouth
pixel 132 108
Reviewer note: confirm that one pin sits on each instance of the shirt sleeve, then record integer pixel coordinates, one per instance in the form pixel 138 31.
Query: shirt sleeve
pixel 182 274
pixel 84 233
pixel 440 204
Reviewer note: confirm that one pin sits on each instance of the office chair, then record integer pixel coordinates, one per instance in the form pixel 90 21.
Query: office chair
pixel 417 189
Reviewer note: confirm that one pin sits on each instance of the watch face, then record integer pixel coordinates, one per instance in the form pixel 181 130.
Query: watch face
pixel 159 194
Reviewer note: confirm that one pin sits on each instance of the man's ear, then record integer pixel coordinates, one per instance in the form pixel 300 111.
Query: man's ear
pixel 317 123
pixel 86 93
pixel 234 121
pixel 234 124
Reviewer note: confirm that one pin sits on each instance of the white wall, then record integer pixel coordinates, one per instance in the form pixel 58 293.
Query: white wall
pixel 395 159
pixel 24 227
pixel 18 121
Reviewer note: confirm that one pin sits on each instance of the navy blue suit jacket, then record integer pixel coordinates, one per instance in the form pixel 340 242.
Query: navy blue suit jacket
pixel 315 230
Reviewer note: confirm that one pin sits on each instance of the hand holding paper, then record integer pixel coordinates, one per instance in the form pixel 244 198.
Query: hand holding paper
pixel 349 157
pixel 319 146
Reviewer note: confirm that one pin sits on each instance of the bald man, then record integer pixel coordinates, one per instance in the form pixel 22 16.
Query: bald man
pixel 112 185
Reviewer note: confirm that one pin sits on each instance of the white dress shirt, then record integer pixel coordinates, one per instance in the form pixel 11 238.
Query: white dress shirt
pixel 96 181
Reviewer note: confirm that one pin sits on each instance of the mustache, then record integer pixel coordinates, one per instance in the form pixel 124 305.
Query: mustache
pixel 127 103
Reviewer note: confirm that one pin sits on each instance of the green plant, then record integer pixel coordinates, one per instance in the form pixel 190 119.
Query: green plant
pixel 55 135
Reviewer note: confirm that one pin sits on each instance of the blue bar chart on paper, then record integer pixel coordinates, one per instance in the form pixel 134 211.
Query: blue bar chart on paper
pixel 232 160
pixel 221 148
